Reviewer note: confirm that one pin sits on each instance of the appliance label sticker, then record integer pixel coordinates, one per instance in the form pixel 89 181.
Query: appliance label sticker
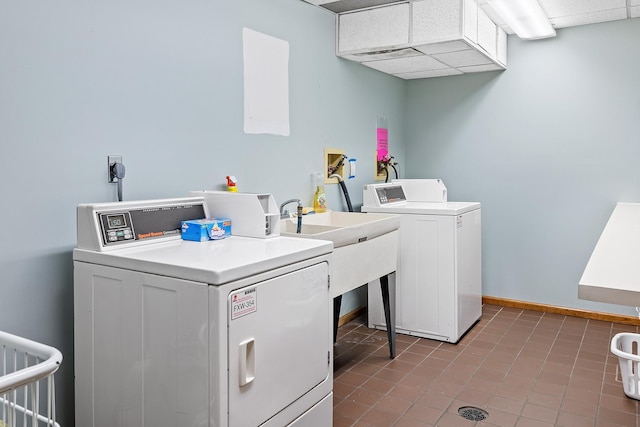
pixel 459 221
pixel 243 303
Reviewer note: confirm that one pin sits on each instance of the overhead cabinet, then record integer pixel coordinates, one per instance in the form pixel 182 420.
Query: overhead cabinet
pixel 423 38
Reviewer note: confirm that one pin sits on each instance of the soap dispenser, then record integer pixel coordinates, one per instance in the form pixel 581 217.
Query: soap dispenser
pixel 319 197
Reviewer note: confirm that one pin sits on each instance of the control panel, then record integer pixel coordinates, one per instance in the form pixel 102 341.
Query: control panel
pixel 102 226
pixel 116 227
pixel 383 194
pixel 149 223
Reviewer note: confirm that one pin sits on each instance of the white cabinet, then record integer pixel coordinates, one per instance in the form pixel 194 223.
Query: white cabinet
pixel 423 38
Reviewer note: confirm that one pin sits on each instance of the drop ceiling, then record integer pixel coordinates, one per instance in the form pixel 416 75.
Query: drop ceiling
pixel 561 13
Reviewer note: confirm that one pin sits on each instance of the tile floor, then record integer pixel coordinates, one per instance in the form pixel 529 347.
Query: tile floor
pixel 525 368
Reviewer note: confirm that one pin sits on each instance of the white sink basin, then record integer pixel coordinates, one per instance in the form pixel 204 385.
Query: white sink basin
pixel 289 227
pixel 342 228
pixel 365 244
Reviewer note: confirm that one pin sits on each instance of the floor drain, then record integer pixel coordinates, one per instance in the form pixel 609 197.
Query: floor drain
pixel 472 413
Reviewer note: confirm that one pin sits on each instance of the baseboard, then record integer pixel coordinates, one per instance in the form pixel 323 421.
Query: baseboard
pixel 525 305
pixel 593 315
pixel 353 314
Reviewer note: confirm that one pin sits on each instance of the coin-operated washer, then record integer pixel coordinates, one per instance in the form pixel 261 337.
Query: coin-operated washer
pixel 226 333
pixel 439 275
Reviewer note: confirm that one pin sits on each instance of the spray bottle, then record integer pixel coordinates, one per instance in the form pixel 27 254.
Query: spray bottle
pixel 231 184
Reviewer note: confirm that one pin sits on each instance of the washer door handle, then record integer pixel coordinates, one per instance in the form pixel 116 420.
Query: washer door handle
pixel 247 362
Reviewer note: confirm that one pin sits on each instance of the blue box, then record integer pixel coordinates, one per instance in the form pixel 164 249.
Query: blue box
pixel 200 230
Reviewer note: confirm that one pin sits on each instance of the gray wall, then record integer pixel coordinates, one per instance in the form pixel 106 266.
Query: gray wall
pixel 548 146
pixel 160 83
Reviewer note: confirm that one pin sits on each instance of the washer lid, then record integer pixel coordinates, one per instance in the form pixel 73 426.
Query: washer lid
pixel 425 208
pixel 214 262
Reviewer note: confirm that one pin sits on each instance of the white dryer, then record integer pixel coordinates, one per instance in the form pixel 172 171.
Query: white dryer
pixel 226 333
pixel 439 273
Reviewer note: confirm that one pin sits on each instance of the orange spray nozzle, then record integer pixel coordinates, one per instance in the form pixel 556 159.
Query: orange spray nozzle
pixel 231 183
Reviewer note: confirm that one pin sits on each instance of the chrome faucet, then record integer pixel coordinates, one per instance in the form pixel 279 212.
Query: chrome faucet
pixel 285 213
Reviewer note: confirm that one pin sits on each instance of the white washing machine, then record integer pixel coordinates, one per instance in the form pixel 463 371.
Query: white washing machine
pixel 226 333
pixel 439 273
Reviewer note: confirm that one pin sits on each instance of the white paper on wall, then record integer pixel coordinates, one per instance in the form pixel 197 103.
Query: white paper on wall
pixel 266 83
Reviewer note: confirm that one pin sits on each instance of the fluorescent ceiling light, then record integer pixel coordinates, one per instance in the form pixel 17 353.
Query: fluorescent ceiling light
pixel 525 17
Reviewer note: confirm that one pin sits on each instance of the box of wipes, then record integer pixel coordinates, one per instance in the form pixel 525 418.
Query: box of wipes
pixel 200 230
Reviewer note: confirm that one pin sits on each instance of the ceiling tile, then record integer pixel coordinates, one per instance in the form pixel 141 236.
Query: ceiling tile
pixel 378 28
pixel 453 46
pixel 377 56
pixel 318 2
pixel 589 18
pixel 348 5
pixel 480 68
pixel 401 65
pixel 427 74
pixel 557 8
pixel 463 58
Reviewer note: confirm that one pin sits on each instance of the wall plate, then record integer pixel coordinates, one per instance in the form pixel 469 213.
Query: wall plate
pixel 380 175
pixel 111 160
pixel 332 157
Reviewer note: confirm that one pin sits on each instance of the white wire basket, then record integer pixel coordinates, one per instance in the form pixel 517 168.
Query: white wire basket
pixel 27 388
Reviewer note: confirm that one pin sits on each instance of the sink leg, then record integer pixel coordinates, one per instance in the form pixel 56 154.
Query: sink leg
pixel 389 304
pixel 337 303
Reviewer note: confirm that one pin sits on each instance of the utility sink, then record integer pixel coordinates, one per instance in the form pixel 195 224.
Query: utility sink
pixel 365 244
pixel 342 228
pixel 289 228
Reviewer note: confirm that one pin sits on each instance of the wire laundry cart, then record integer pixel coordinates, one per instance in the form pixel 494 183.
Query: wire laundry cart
pixel 27 388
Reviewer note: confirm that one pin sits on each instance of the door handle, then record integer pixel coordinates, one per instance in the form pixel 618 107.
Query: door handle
pixel 247 362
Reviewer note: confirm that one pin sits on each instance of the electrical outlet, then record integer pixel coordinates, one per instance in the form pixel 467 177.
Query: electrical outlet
pixel 112 160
